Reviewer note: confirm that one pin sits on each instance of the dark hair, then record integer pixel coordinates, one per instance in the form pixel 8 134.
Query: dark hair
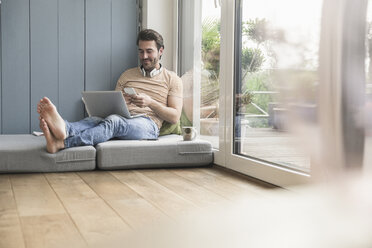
pixel 148 35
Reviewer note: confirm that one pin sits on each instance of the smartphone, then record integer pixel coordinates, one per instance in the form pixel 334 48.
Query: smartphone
pixel 130 91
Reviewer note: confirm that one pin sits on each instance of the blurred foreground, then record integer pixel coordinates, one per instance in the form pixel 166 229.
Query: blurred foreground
pixel 335 214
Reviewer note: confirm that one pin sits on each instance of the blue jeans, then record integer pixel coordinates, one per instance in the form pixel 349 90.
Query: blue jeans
pixel 94 130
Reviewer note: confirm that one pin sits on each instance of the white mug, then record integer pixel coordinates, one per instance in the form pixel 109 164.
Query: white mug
pixel 189 133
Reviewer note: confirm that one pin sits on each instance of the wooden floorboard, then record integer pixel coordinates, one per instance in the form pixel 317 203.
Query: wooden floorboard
pixel 214 183
pixel 255 186
pixel 34 196
pixel 104 208
pixel 94 218
pixel 187 189
pixel 167 201
pixel 45 222
pixel 51 231
pixel 10 225
pixel 132 207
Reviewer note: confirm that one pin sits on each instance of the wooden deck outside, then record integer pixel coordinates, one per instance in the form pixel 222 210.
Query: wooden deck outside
pixel 271 145
pixel 275 146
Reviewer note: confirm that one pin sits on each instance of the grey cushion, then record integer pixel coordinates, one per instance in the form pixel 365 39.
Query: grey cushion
pixel 27 153
pixel 168 151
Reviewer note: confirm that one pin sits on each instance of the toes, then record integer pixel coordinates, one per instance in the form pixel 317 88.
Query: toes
pixel 43 125
pixel 41 108
pixel 42 101
pixel 46 100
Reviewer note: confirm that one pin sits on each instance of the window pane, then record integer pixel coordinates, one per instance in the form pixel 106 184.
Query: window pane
pixel 199 65
pixel 277 75
pixel 368 108
pixel 368 58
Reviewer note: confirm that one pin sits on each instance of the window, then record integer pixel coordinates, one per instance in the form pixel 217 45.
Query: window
pixel 284 66
pixel 262 38
pixel 199 64
pixel 276 72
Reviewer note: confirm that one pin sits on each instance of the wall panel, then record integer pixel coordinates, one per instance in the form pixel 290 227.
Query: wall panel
pixel 98 45
pixel 15 97
pixel 124 48
pixel 44 54
pixel 58 48
pixel 71 58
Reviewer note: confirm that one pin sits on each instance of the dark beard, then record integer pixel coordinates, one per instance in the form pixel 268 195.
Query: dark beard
pixel 151 66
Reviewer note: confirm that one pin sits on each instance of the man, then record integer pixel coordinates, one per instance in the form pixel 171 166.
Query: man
pixel 159 97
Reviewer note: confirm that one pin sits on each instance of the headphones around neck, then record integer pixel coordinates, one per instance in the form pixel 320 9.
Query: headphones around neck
pixel 152 73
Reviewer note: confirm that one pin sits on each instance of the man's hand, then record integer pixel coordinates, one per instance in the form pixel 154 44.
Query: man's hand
pixel 170 113
pixel 128 98
pixel 141 100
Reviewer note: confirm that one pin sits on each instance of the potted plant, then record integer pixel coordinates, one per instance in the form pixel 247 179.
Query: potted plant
pixel 242 101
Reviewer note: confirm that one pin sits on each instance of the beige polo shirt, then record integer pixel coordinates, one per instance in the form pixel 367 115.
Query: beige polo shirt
pixel 159 87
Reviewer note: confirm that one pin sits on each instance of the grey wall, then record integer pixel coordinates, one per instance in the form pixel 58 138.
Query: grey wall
pixel 58 48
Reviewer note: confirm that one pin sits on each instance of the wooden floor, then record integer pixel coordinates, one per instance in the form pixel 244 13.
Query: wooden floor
pixel 88 208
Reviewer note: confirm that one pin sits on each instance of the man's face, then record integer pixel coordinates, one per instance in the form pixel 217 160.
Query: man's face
pixel 149 55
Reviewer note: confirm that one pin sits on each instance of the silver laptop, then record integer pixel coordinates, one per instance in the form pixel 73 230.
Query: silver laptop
pixel 105 103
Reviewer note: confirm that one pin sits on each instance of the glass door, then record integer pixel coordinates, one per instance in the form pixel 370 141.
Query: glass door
pixel 198 66
pixel 367 160
pixel 275 74
pixel 284 82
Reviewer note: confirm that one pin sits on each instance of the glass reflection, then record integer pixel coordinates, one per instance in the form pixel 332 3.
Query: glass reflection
pixel 278 77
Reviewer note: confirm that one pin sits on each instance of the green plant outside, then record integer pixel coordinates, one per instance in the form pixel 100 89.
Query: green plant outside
pixel 258 81
pixel 252 60
pixel 254 78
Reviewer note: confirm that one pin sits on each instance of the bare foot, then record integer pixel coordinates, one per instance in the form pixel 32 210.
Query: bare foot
pixel 53 144
pixel 49 113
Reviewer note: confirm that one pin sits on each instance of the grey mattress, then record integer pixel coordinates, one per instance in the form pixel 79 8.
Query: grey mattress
pixel 167 151
pixel 27 153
